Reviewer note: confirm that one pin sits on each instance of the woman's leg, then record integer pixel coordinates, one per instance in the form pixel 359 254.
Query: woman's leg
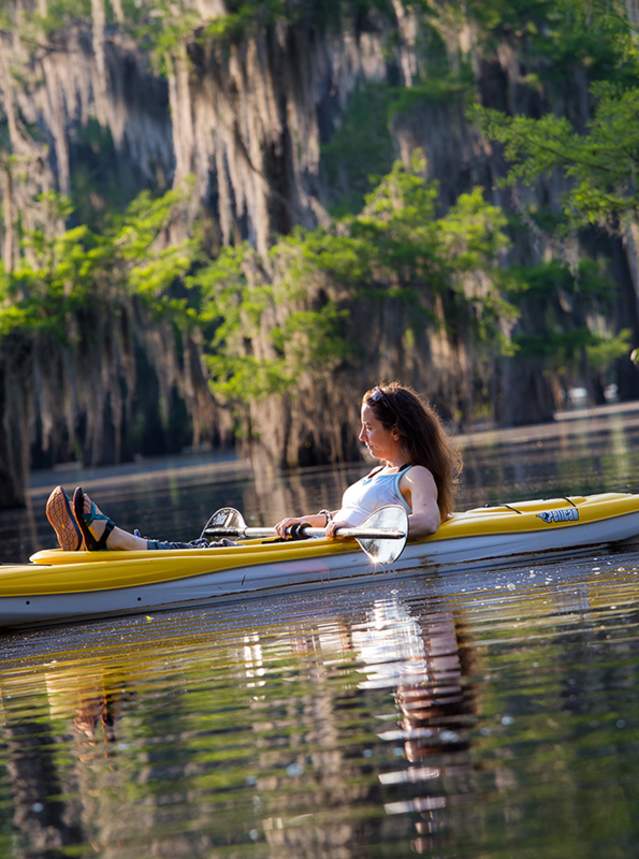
pixel 82 525
pixel 90 518
pixel 192 544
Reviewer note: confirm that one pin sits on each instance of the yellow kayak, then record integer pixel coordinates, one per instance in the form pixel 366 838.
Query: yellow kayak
pixel 59 586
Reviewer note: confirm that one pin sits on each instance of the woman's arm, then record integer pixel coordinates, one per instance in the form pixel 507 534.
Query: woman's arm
pixel 419 488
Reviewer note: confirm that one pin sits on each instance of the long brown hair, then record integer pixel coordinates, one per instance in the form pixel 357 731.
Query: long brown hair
pixel 422 435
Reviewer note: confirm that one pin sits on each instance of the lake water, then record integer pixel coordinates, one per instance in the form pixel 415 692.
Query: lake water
pixel 487 712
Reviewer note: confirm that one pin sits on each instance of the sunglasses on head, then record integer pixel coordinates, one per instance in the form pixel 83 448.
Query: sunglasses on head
pixel 378 396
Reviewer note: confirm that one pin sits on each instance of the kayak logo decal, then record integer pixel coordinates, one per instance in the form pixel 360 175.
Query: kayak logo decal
pixel 568 514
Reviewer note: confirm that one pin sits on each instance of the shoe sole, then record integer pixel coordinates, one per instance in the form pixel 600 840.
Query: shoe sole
pixel 58 512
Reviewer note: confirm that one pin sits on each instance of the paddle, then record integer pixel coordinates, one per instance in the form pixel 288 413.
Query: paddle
pixel 381 537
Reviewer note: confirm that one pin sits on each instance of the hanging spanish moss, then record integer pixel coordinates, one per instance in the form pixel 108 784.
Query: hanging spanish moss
pixel 281 120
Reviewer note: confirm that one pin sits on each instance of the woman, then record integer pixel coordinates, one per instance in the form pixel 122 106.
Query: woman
pixel 419 466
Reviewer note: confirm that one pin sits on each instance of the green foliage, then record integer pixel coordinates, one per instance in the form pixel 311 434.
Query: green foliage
pixel 360 148
pixel 312 336
pixel 60 15
pixel 602 163
pixel 436 90
pixel 61 276
pixel 233 304
pixel 247 14
pixel 562 350
pixel 601 160
pixel 397 246
pixel 230 308
pixel 49 284
pixel 598 164
pixel 245 378
pixel 268 321
pixel 269 329
pixel 152 267
pixel 562 303
pixel 411 252
pixel 587 282
pixel 603 351
pixel 561 36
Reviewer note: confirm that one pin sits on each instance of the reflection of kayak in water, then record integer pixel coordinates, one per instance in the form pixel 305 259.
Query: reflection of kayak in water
pixel 59 586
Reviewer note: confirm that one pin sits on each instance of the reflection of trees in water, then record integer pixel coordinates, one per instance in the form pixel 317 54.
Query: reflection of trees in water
pixel 568 456
pixel 308 778
pixel 58 777
pixel 104 785
pixel 300 492
pixel 157 792
pixel 79 773
pixel 191 745
pixel 45 823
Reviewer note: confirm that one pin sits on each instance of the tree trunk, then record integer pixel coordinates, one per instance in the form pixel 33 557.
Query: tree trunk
pixel 14 439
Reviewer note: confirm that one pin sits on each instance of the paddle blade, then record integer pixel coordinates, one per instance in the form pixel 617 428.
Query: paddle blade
pixel 225 522
pixel 382 551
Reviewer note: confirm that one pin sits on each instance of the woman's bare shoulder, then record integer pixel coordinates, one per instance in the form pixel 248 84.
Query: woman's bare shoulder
pixel 419 479
pixel 418 472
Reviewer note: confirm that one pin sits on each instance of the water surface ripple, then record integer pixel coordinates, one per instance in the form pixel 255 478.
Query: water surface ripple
pixel 486 711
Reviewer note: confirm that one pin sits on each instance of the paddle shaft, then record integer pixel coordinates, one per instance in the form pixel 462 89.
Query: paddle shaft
pixel 364 533
pixel 382 536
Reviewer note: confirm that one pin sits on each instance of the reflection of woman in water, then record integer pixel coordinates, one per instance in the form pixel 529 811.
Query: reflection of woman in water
pixel 90 697
pixel 427 663
pixel 96 716
pixel 440 698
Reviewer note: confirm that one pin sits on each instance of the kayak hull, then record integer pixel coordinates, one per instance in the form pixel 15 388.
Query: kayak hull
pixel 63 586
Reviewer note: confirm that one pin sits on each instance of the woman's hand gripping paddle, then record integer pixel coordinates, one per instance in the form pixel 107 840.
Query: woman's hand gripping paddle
pixel 381 537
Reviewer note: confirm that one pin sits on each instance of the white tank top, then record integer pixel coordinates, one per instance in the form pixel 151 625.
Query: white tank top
pixel 369 494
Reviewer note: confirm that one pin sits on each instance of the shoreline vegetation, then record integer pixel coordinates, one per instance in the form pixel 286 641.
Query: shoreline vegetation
pixel 213 230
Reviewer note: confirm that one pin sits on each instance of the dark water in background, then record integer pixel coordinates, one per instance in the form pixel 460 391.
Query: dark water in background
pixel 488 712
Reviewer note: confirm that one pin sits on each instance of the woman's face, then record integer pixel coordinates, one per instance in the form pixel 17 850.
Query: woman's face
pixel 381 442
